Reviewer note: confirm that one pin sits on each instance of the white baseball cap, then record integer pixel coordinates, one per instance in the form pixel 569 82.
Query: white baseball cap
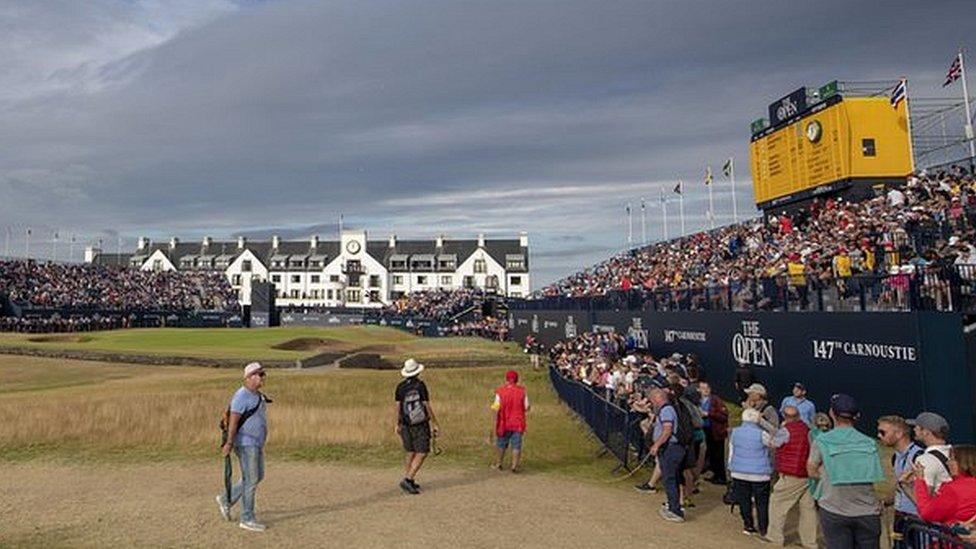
pixel 252 368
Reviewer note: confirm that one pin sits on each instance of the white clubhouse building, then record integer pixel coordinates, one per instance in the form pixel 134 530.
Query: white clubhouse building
pixel 353 271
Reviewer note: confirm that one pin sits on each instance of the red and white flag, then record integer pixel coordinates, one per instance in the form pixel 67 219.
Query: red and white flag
pixel 955 71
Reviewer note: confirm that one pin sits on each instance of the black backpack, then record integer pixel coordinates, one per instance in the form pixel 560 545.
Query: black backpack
pixel 686 429
pixel 412 409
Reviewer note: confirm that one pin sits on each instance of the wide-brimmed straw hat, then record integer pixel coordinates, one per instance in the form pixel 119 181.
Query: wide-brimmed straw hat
pixel 411 368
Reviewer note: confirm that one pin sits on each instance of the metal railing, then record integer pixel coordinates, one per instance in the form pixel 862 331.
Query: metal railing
pixel 918 534
pixel 924 289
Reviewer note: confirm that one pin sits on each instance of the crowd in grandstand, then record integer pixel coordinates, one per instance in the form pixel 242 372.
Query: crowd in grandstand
pixel 783 455
pixel 437 304
pixel 58 324
pixel 45 285
pixel 917 230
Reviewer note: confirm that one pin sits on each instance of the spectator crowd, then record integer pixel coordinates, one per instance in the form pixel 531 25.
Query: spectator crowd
pixel 78 287
pixel 918 231
pixel 434 304
pixel 779 456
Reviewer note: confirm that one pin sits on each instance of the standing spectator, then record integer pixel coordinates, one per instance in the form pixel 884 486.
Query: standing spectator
pixel 750 468
pixel 847 464
pixel 792 444
pixel 932 430
pixel 510 405
pixel 744 377
pixel 247 431
pixel 756 399
pixel 716 426
pixel 894 433
pixel 955 502
pixel 415 422
pixel 533 350
pixel 799 400
pixel 670 454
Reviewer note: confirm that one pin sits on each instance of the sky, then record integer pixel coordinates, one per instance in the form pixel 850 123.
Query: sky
pixel 129 118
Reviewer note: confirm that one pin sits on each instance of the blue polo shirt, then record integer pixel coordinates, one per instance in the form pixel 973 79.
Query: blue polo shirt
pixel 806 408
pixel 255 429
pixel 903 462
pixel 667 414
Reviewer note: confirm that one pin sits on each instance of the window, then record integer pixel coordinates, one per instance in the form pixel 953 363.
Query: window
pixel 446 265
pixel 421 279
pixel 294 294
pixel 374 281
pixel 236 280
pixel 316 279
pixel 353 296
pixel 469 282
pixel 515 281
pixel 333 278
pixel 398 265
pixel 295 279
pixel 515 262
pixel 398 279
pixel 314 263
pixel 246 266
pixel 354 280
pixel 492 281
pixel 275 278
pixel 374 296
pixel 157 265
pixel 480 266
pixel 447 280
pixel 514 294
pixel 314 294
pixel 297 263
pixel 328 294
pixel 867 147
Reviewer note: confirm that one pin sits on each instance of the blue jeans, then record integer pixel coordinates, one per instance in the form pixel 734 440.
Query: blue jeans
pixel 671 458
pixel 252 472
pixel 510 437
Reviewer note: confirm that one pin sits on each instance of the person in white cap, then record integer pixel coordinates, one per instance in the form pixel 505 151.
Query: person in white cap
pixel 757 400
pixel 415 422
pixel 247 431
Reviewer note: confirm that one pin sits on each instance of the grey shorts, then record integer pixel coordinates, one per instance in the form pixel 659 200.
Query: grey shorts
pixel 416 438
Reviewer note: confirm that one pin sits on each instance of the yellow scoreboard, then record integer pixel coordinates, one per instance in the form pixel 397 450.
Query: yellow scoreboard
pixel 829 146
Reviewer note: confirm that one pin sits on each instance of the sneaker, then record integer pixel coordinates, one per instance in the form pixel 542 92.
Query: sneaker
pixel 749 531
pixel 253 526
pixel 409 488
pixel 224 508
pixel 646 488
pixel 414 483
pixel 670 517
pixel 664 505
pixel 763 538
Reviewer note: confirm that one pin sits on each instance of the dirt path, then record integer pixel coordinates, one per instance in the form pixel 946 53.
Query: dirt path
pixel 305 505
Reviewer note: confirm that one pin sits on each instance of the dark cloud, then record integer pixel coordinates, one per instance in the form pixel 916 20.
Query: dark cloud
pixel 419 118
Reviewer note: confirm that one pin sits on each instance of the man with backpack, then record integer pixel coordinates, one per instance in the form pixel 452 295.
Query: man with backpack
pixel 932 430
pixel 414 417
pixel 669 450
pixel 247 429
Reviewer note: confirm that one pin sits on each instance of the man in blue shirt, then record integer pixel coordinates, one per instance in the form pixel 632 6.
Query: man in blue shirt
pixel 799 401
pixel 669 452
pixel 246 432
pixel 894 432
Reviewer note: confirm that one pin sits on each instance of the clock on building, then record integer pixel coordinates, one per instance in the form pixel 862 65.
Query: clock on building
pixel 352 247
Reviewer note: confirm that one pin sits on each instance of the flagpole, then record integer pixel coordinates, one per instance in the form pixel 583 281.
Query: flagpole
pixel 630 226
pixel 27 244
pixel 54 247
pixel 965 100
pixel 71 250
pixel 6 244
pixel 908 122
pixel 681 206
pixel 735 209
pixel 664 213
pixel 711 207
pixel 643 223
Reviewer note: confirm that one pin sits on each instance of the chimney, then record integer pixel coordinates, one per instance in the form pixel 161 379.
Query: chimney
pixel 524 239
pixel 481 240
pixel 275 241
pixel 313 242
pixel 393 241
pixel 440 241
pixel 241 242
pixel 90 253
pixel 207 241
pixel 173 242
pixel 143 243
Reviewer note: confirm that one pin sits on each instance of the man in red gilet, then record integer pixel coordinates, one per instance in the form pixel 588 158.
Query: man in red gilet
pixel 511 404
pixel 792 442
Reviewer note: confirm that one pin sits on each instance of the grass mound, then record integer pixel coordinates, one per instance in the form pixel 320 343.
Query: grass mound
pixel 302 344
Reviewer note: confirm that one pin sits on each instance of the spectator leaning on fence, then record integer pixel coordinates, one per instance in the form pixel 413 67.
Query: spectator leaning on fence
pixel 847 464
pixel 932 430
pixel 954 502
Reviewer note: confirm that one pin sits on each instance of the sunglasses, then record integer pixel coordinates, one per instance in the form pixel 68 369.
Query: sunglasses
pixel 882 432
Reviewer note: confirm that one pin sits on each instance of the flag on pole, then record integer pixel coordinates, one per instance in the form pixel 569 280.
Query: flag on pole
pixel 642 204
pixel 708 175
pixel 628 208
pixel 727 168
pixel 955 71
pixel 899 92
pixel 677 188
